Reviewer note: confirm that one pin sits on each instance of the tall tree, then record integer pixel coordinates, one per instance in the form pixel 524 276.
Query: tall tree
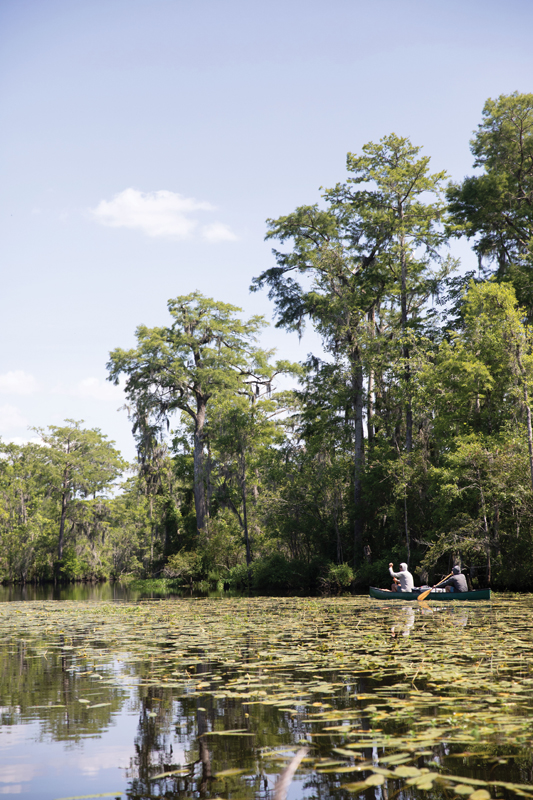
pixel 80 463
pixel 481 379
pixel 242 428
pixel 495 208
pixel 23 525
pixel 406 231
pixel 369 255
pixel 207 350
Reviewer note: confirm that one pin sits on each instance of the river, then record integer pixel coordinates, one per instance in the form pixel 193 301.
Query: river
pixel 213 697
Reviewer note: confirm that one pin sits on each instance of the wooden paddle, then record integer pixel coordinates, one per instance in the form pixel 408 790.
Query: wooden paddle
pixel 425 594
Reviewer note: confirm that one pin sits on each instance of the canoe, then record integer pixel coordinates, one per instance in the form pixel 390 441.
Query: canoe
pixel 386 594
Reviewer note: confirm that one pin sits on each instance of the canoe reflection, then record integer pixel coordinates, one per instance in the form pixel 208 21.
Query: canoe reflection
pixel 405 618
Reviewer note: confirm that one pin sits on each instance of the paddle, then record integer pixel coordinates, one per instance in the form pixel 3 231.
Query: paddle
pixel 425 594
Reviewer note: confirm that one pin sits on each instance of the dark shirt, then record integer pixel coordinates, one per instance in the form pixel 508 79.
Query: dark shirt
pixel 458 582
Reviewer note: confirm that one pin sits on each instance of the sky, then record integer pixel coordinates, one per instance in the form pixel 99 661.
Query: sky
pixel 144 143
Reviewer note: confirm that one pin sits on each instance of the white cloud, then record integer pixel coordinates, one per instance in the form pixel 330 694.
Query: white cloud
pixel 108 757
pixel 96 389
pixel 218 232
pixel 18 382
pixel 22 440
pixel 12 773
pixel 160 213
pixel 10 417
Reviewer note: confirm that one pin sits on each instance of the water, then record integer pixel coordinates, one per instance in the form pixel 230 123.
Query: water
pixel 105 592
pixel 72 591
pixel 212 697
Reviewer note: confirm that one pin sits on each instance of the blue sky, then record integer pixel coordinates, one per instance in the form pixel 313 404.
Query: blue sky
pixel 145 142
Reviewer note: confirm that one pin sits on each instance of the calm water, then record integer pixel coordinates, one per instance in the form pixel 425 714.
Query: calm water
pixel 77 591
pixel 212 697
pixel 114 592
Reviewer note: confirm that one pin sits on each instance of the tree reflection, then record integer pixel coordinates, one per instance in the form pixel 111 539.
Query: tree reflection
pixel 47 687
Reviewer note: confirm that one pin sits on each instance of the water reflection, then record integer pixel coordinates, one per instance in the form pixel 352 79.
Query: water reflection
pixel 209 699
pixel 404 621
pixel 100 592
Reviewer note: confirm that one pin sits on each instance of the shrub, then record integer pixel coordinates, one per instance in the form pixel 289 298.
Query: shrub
pixel 276 573
pixel 337 578
pixel 184 565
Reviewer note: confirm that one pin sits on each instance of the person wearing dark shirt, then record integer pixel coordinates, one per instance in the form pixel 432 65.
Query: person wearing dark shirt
pixel 457 582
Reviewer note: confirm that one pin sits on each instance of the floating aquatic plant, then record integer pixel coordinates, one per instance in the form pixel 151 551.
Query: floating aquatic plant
pixel 423 699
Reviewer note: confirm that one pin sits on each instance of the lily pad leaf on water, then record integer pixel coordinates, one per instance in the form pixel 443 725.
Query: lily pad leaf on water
pixel 173 772
pixel 355 787
pixel 398 758
pixel 229 773
pixel 464 779
pixel 407 772
pixel 311 652
pixel 375 780
pixel 340 770
pixel 236 732
pixel 424 781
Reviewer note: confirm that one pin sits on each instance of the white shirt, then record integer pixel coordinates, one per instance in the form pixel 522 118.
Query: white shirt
pixel 406 579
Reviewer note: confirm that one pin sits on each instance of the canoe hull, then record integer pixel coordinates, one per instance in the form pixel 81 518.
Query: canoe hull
pixel 384 594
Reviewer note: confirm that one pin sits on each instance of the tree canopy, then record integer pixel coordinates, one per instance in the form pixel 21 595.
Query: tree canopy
pixel 408 438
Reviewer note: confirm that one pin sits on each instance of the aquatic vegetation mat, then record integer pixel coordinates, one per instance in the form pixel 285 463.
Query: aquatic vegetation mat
pixel 423 701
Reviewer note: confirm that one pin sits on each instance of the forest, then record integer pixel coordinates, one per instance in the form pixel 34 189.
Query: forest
pixel 408 438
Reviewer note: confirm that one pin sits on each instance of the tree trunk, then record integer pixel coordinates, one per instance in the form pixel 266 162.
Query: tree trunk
pixel 200 504
pixel 370 396
pixel 529 434
pixel 337 528
pixel 358 457
pixel 405 346
pixel 496 529
pixel 406 525
pixel 255 487
pixel 64 504
pixel 485 527
pixel 151 511
pixel 245 511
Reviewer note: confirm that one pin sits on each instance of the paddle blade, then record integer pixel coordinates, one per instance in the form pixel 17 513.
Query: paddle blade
pixel 425 594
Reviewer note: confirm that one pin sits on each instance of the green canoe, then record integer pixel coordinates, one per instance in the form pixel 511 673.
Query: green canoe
pixel 386 594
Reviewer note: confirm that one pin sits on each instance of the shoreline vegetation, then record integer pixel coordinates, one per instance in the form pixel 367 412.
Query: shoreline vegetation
pixel 409 439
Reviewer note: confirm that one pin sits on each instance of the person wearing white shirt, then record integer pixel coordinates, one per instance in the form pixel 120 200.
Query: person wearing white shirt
pixel 404 576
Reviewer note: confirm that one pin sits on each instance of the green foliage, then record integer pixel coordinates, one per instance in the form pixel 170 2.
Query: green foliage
pixel 207 351
pixel 337 578
pixel 277 574
pixel 495 209
pixel 185 566
pixel 410 440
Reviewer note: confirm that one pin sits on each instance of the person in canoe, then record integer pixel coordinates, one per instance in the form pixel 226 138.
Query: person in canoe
pixel 456 583
pixel 404 576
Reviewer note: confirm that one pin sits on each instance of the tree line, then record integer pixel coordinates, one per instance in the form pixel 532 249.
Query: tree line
pixel 408 439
